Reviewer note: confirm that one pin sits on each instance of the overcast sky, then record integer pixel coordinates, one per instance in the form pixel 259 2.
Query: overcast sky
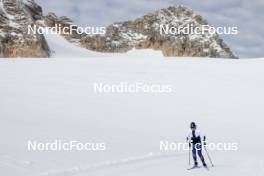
pixel 247 15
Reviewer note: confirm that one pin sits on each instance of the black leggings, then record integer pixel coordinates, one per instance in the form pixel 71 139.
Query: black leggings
pixel 197 148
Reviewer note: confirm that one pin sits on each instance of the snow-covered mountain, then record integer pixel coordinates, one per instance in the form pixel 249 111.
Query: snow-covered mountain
pixel 142 33
pixel 48 100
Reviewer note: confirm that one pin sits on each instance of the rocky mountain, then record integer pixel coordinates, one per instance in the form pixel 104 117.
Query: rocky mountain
pixel 15 16
pixel 144 32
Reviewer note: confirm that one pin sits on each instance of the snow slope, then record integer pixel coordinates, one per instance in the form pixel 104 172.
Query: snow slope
pixel 61 48
pixel 49 99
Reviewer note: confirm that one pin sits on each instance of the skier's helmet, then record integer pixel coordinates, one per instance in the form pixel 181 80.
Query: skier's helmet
pixel 193 125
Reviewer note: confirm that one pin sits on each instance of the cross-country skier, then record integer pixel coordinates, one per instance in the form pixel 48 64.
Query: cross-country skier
pixel 194 138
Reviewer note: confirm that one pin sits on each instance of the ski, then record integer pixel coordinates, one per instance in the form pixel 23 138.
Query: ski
pixel 197 167
pixel 206 167
pixel 194 167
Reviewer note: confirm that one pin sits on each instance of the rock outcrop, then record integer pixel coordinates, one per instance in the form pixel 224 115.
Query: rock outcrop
pixel 15 41
pixel 63 22
pixel 145 32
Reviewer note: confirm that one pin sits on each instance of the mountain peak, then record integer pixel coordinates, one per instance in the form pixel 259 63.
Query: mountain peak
pixel 145 32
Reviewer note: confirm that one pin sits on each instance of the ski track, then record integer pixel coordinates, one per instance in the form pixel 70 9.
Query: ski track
pixel 14 163
pixel 115 163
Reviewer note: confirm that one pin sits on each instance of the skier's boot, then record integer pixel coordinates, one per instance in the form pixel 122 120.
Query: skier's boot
pixel 204 164
pixel 195 164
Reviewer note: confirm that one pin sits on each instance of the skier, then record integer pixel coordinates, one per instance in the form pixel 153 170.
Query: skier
pixel 194 138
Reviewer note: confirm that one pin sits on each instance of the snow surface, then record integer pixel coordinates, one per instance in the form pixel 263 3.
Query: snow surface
pixel 49 99
pixel 60 48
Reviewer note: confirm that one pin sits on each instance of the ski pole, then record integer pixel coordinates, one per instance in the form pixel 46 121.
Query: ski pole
pixel 208 156
pixel 189 156
pixel 189 151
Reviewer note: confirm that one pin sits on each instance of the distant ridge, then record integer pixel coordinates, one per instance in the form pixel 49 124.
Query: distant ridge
pixel 142 33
